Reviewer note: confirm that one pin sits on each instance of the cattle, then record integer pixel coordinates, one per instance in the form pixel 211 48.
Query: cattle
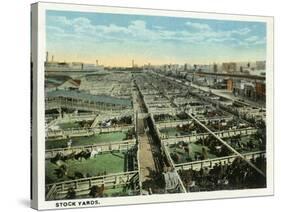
pixel 61 171
pixel 78 175
pixel 83 154
pixel 71 193
pixel 96 191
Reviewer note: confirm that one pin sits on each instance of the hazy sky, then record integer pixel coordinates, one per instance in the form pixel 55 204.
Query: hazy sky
pixel 116 39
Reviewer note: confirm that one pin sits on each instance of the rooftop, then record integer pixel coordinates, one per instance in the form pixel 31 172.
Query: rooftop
pixel 89 97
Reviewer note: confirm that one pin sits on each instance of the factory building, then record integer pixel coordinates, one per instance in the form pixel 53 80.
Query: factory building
pixel 229 67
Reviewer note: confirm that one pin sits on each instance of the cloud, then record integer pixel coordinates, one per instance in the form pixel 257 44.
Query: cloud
pixel 242 31
pixel 198 26
pixel 252 38
pixel 59 20
pixel 54 29
pixel 138 24
pixel 84 30
pixel 260 41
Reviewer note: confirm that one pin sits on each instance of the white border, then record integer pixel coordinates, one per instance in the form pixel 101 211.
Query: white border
pixel 42 204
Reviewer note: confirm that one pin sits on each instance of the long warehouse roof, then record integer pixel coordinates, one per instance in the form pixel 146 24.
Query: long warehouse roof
pixel 87 96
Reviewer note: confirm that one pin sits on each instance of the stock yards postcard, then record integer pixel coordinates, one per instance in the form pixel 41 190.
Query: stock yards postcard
pixel 135 105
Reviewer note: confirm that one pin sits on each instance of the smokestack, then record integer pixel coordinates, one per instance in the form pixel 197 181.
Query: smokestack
pixel 133 63
pixel 47 56
pixel 52 58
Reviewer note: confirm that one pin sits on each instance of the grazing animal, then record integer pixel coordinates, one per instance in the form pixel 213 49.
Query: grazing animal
pixel 204 153
pixel 87 154
pixel 59 156
pixel 71 193
pixel 187 150
pixel 175 157
pixel 69 157
pixel 250 144
pixel 78 175
pixel 97 191
pixel 83 154
pixel 61 171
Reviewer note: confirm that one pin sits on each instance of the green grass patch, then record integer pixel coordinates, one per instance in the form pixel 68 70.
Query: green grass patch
pixel 194 148
pixel 244 148
pixel 108 162
pixel 87 140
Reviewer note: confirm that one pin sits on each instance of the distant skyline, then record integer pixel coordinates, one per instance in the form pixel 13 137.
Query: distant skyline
pixel 117 39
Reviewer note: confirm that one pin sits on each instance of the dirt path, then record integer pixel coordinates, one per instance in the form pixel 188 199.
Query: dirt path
pixel 147 166
pixel 148 149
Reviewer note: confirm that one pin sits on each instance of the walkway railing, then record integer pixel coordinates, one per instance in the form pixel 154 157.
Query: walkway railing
pixel 210 163
pixel 59 103
pixel 59 190
pixel 74 132
pixel 174 123
pixel 221 134
pixel 105 147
